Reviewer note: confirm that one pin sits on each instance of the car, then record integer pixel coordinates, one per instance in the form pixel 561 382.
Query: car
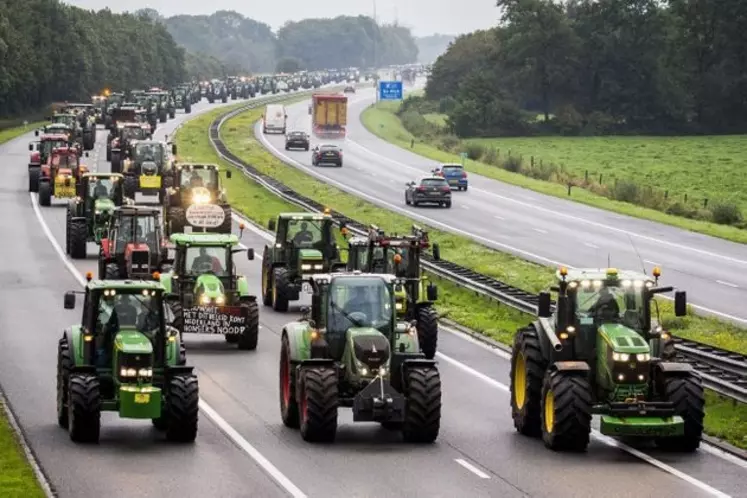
pixel 428 190
pixel 454 174
pixel 349 89
pixel 329 154
pixel 297 140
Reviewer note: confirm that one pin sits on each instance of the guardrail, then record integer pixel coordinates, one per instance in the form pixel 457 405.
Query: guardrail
pixel 722 371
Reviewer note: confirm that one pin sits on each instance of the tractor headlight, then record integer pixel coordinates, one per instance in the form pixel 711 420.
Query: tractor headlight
pixel 620 356
pixel 204 299
pixel 643 357
pixel 398 306
pixel 220 299
pixel 201 198
pixel 305 267
pixel 128 372
pixel 382 371
pixel 145 372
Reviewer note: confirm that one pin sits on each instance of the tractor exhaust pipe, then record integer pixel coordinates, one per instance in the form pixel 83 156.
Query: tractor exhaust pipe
pixel 557 347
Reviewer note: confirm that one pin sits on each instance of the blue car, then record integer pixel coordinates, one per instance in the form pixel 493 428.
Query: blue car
pixel 454 174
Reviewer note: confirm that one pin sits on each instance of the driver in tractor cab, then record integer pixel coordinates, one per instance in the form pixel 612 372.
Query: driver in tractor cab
pixel 359 302
pixel 100 191
pixel 303 235
pixel 204 260
pixel 196 180
pixel 606 309
pixel 107 332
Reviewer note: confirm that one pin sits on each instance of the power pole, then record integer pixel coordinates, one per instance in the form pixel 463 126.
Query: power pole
pixel 375 64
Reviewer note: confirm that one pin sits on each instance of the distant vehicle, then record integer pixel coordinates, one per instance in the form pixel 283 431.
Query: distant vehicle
pixel 454 174
pixel 428 190
pixel 274 119
pixel 329 116
pixel 326 154
pixel 349 89
pixel 297 140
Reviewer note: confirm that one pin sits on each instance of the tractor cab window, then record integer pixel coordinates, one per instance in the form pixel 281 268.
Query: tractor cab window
pixel 133 133
pixel 306 233
pixel 358 302
pixel 66 120
pixel 101 188
pixel 117 310
pixel 46 146
pixel 137 229
pixel 398 269
pixel 200 177
pixel 608 304
pixel 148 151
pixel 203 259
pixel 65 161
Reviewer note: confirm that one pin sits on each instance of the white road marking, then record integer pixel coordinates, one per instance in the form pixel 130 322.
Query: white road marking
pixel 651 262
pixel 589 244
pixel 539 230
pixel 728 284
pixel 464 206
pixel 219 421
pixel 499 218
pixel 479 473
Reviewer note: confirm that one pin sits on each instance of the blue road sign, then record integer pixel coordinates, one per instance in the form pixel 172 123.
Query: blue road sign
pixel 390 90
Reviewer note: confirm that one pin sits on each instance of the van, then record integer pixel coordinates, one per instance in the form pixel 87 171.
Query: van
pixel 274 119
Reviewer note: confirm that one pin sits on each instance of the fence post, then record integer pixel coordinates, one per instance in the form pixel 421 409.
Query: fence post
pixel 586 176
pixel 569 188
pixel 705 203
pixel 666 194
pixel 532 161
pixel 685 197
pixel 601 177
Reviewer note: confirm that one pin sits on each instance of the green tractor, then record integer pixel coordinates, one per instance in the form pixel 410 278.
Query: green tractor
pixel 144 166
pixel 601 352
pixel 305 244
pixel 205 292
pixel 351 351
pixel 88 214
pixel 197 199
pixel 182 98
pixel 399 255
pixel 124 358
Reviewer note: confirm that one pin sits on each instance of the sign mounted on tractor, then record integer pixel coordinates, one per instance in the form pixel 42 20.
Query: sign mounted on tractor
pixel 222 320
pixel 205 215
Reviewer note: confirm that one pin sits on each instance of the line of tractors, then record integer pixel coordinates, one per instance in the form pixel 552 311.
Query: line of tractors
pixel 367 341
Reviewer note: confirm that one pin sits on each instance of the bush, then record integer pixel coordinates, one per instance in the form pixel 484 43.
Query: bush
pixel 626 191
pixel 491 156
pixel 446 105
pixel 512 164
pixel 475 151
pixel 415 123
pixel 449 143
pixel 568 120
pixel 726 213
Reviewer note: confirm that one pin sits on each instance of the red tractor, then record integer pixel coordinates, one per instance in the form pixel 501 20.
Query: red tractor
pixel 40 151
pixel 60 175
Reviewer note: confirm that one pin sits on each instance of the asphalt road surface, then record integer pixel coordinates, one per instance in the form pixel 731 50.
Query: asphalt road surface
pixel 242 447
pixel 537 227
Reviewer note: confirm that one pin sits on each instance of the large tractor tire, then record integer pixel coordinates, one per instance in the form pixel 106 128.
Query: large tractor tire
pixel 318 404
pixel 288 402
pixel 163 117
pixel 84 408
pixel 116 160
pixel 689 403
pixel 78 239
pixel 181 407
pixel 266 278
pixel 423 408
pixel 227 222
pixel 45 194
pixel 428 331
pixel 527 373
pixel 64 363
pixel 34 173
pixel 566 411
pixel 188 108
pixel 89 140
pixel 131 184
pixel 177 219
pixel 108 154
pixel 248 340
pixel 280 283
pixel 176 308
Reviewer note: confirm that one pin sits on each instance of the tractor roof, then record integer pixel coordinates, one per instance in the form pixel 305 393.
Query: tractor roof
pixel 125 284
pixel 304 216
pixel 53 137
pixel 204 239
pixel 137 210
pixel 189 166
pixel 327 277
pixel 103 175
pixel 604 274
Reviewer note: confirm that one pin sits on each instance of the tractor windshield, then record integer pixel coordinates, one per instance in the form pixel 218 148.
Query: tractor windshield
pixel 148 151
pixel 306 233
pixel 101 188
pixel 203 259
pixel 128 309
pixel 133 133
pixel 200 177
pixel 65 160
pixel 48 145
pixel 358 302
pixel 64 119
pixel 609 304
pixel 137 229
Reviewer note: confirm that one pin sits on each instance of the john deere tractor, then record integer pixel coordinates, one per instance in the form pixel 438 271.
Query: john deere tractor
pixel 89 213
pixel 600 352
pixel 304 245
pixel 206 293
pixel 124 358
pixel 182 97
pixel 133 247
pixel 145 161
pixel 352 352
pixel 119 141
pixel 197 199
pixel 399 255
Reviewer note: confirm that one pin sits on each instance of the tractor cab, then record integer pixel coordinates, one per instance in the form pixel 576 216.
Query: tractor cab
pixel 197 194
pixel 144 166
pixel 134 246
pixel 68 119
pixel 60 175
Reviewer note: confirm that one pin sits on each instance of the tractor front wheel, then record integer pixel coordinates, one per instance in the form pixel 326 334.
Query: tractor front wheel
pixel 176 308
pixel 428 331
pixel 686 393
pixel 288 401
pixel 227 221
pixel 84 408
pixel 527 372
pixel 566 411
pixel 181 408
pixel 34 179
pixel 266 278
pixel 177 219
pixel 423 408
pixel 45 194
pixel 319 404
pixel 248 340
pixel 280 285
pixel 131 184
pixel 63 374
pixel 78 239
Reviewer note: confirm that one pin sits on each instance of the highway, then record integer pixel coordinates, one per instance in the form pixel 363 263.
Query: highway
pixel 540 228
pixel 242 447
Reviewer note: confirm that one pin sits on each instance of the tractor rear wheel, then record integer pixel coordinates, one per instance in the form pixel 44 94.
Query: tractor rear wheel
pixel 177 219
pixel 78 239
pixel 527 371
pixel 566 411
pixel 318 404
pixel 266 278
pixel 423 408
pixel 63 375
pixel 108 154
pixel 689 403
pixel 116 162
pixel 176 308
pixel 34 179
pixel 288 402
pixel 181 408
pixel 280 285
pixel 84 408
pixel 248 340
pixel 428 331
pixel 45 194
pixel 227 221
pixel 131 184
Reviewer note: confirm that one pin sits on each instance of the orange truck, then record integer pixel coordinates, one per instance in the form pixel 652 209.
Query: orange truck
pixel 329 115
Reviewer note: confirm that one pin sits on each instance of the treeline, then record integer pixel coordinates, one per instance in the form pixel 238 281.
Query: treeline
pixel 598 67
pixel 50 51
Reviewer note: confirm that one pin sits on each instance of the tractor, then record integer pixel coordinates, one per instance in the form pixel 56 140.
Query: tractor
pixel 120 139
pixel 305 244
pixel 123 357
pixel 206 294
pixel 89 212
pixel 60 129
pixel 85 114
pixel 182 98
pixel 349 350
pixel 217 90
pixel 164 105
pixel 113 102
pixel 601 352
pixel 60 175
pixel 143 167
pixel 400 255
pixel 197 194
pixel 40 152
pixel 72 121
pixel 133 246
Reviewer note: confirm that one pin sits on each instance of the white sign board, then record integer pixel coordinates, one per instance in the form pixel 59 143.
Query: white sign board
pixel 205 215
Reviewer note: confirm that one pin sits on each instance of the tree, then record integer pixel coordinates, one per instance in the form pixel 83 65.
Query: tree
pixel 288 65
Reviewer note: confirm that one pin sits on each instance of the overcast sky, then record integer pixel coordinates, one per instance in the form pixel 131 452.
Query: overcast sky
pixel 425 17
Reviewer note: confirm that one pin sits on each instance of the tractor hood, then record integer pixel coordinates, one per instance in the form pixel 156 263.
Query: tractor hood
pixel 133 342
pixel 623 339
pixel 104 205
pixel 208 285
pixel 370 347
pixel 310 261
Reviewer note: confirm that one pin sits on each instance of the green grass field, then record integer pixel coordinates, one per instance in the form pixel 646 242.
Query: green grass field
pixel 701 167
pixel 11 133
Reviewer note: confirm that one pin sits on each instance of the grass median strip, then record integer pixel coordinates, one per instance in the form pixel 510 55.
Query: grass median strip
pixel 11 133
pixel 17 479
pixel 462 306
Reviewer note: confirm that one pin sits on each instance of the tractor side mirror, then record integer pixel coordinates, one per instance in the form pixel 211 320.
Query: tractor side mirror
pixel 69 300
pixel 229 174
pixel 173 148
pixel 543 305
pixel 305 310
pixel 271 225
pixel 680 303
pixel 36 133
pixel 432 292
pixel 31 147
pixel 87 154
pixel 436 251
pixel 250 254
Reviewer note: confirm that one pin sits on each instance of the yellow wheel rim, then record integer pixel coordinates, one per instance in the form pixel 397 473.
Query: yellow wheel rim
pixel 549 411
pixel 520 381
